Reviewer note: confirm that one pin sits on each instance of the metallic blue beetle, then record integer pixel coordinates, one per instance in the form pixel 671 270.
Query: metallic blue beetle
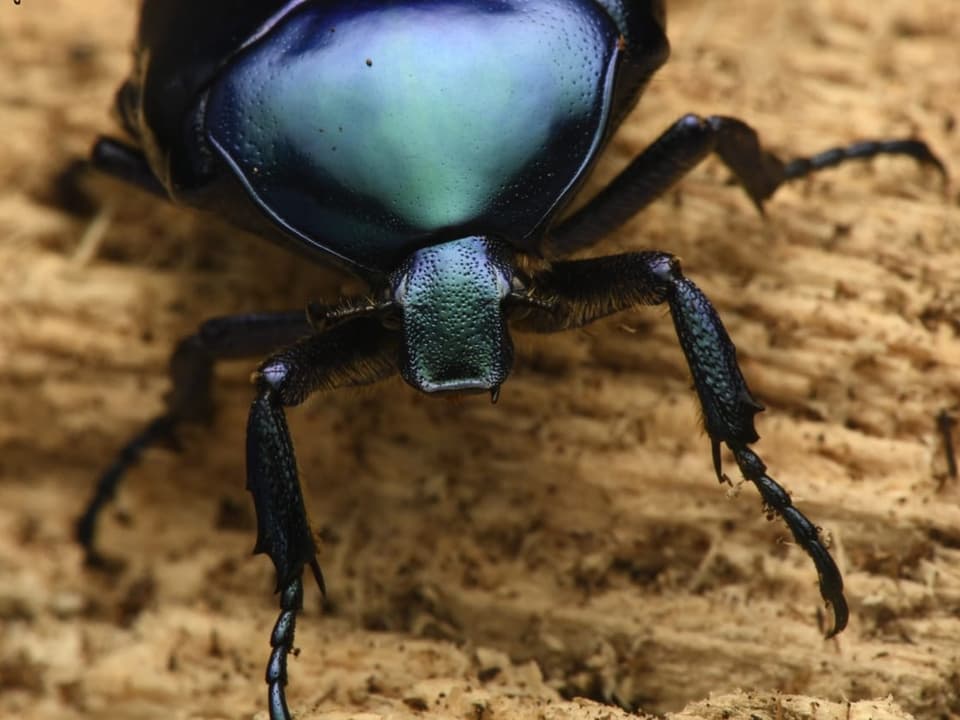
pixel 427 146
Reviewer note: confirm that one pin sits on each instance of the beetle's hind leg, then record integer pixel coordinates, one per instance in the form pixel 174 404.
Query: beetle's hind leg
pixel 574 293
pixel 682 147
pixel 189 401
pixel 357 352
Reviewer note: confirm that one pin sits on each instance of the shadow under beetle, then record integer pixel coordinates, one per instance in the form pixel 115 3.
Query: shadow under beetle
pixel 427 147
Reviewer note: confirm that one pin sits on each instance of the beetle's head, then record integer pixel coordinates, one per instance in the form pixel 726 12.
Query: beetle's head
pixel 455 336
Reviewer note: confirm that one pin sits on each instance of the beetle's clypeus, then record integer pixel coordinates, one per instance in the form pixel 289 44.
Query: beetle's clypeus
pixel 426 146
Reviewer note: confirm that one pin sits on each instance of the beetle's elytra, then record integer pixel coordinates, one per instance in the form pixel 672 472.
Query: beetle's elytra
pixel 427 146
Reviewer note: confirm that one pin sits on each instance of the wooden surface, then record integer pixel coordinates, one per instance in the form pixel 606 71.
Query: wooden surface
pixel 571 541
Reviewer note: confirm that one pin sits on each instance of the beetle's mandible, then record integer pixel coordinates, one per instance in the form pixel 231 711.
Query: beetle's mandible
pixel 428 147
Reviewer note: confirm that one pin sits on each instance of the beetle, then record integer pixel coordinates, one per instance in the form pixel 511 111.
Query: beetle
pixel 429 147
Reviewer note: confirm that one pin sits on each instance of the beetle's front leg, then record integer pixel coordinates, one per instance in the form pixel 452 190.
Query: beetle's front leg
pixel 283 531
pixel 574 293
pixel 357 352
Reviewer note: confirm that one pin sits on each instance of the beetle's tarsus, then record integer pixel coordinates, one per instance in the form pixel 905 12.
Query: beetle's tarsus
pixel 917 149
pixel 805 533
pixel 281 642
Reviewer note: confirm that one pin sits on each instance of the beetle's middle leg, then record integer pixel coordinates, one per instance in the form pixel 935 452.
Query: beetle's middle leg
pixel 357 352
pixel 191 371
pixel 573 293
pixel 682 147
